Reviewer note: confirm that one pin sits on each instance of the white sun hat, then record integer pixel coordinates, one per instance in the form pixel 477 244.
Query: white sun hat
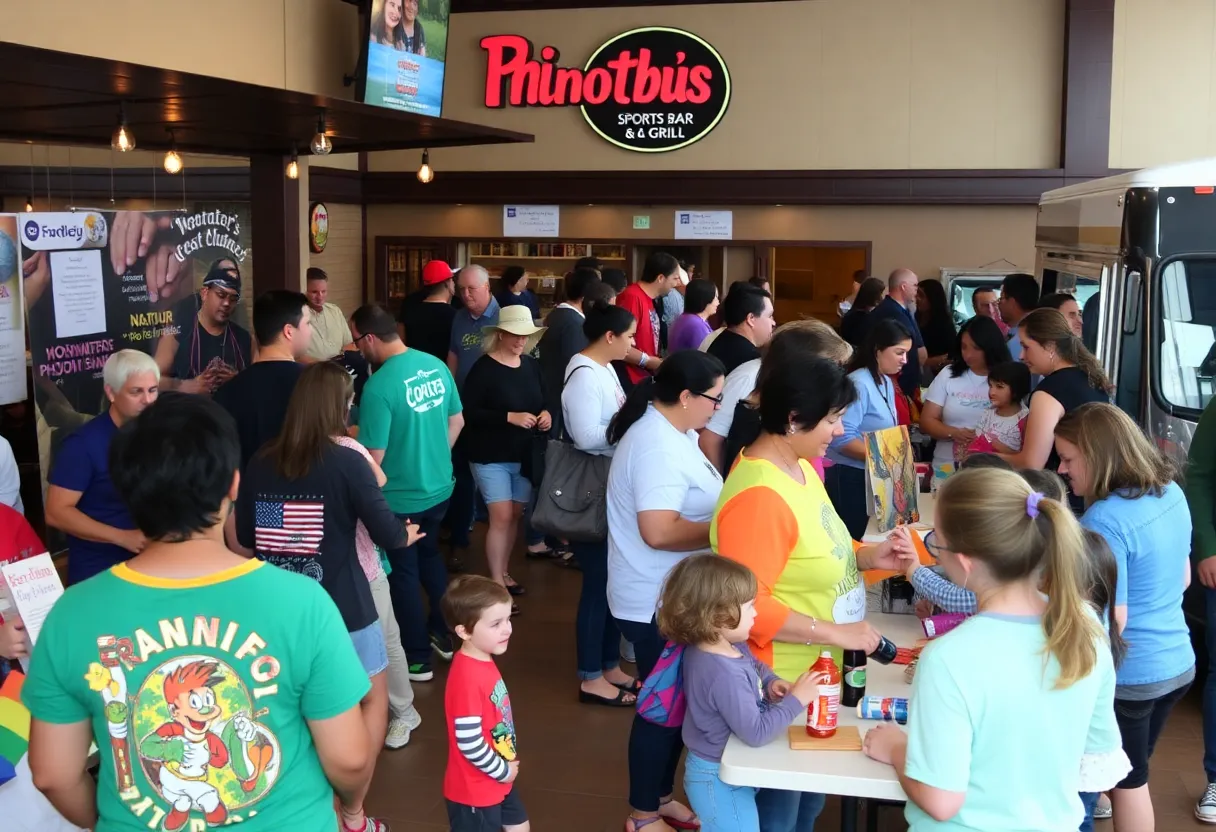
pixel 516 320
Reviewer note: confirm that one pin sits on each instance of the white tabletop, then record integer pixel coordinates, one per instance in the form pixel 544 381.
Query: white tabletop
pixel 850 773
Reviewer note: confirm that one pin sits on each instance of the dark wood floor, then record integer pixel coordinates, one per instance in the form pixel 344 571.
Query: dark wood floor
pixel 573 773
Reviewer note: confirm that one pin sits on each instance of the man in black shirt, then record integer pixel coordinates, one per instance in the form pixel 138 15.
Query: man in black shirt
pixel 257 396
pixel 208 349
pixel 563 339
pixel 426 317
pixel 748 315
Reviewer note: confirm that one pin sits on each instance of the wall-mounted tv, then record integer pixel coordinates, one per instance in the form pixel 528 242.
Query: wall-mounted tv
pixel 407 43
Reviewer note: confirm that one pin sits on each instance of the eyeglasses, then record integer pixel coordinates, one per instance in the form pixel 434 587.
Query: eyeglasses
pixel 717 400
pixel 360 338
pixel 933 546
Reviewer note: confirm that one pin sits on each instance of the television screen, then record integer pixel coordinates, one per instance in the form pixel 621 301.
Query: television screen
pixel 406 49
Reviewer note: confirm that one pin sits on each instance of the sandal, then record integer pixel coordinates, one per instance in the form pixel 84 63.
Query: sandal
pixel 567 560
pixel 513 588
pixel 619 701
pixel 692 822
pixel 629 687
pixel 541 554
pixel 633 824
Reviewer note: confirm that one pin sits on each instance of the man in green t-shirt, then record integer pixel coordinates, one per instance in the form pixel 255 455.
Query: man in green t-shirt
pixel 409 418
pixel 209 703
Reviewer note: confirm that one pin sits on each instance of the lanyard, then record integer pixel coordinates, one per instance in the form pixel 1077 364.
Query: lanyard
pixel 890 402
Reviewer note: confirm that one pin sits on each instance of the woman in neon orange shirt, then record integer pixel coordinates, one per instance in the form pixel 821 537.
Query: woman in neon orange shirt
pixel 774 516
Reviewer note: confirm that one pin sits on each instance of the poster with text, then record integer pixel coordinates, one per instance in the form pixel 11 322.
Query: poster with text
pixel 406 51
pixel 13 386
pixel 96 282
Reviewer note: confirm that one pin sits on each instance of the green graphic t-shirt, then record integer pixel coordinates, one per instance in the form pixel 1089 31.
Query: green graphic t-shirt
pixel 404 412
pixel 198 691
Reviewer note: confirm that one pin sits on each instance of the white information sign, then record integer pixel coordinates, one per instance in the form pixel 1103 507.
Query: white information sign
pixel 705 225
pixel 530 220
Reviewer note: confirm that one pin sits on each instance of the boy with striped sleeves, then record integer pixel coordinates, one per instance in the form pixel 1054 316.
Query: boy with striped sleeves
pixel 478 784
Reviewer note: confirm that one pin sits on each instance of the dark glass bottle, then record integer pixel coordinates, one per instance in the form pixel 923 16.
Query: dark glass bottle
pixel 853 687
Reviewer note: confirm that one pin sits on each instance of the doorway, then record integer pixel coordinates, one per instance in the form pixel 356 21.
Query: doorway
pixel 811 280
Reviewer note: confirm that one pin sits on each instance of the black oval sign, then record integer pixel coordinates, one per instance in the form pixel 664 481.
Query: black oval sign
pixel 655 89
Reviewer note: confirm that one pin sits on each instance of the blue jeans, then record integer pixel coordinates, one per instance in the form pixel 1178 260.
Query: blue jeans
pixel 415 569
pixel 782 811
pixel 597 638
pixel 459 518
pixel 721 807
pixel 1090 801
pixel 1209 692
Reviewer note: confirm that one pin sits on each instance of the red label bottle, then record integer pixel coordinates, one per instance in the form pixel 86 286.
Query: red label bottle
pixel 822 713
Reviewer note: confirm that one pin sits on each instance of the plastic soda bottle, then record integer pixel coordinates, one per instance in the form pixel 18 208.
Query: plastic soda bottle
pixel 822 713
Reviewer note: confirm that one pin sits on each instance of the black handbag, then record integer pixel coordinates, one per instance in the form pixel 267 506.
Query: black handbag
pixel 572 500
pixel 572 503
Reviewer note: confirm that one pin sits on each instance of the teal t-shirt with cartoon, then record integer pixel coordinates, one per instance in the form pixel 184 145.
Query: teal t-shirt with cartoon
pixel 198 692
pixel 404 412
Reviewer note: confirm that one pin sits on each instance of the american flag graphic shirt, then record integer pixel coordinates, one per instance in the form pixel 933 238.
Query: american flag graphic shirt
pixel 289 527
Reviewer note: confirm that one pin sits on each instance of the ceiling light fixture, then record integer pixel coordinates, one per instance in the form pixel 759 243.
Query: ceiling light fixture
pixel 425 172
pixel 173 160
pixel 321 144
pixel 29 205
pixel 122 140
pixel 293 167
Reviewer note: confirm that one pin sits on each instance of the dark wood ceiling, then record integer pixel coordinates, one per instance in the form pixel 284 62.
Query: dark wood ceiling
pixel 459 6
pixel 59 98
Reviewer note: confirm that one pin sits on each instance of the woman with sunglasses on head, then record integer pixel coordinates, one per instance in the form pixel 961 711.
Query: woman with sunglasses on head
pixel 774 517
pixel 1010 707
pixel 661 497
pixel 1131 499
pixel 883 354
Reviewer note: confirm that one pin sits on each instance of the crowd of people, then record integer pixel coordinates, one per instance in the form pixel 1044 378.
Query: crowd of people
pixel 257 574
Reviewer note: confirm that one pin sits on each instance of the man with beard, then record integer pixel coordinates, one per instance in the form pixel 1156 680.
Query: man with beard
pixel 409 419
pixel 208 348
pixel 81 500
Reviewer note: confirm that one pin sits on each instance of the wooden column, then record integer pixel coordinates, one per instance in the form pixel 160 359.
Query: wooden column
pixel 1089 38
pixel 275 214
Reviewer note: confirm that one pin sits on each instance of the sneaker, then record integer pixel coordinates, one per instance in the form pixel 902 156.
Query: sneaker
pixel 1205 809
pixel 442 644
pixel 627 652
pixel 1103 811
pixel 399 730
pixel 421 672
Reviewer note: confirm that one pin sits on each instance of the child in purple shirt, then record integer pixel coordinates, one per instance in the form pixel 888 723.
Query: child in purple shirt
pixel 708 604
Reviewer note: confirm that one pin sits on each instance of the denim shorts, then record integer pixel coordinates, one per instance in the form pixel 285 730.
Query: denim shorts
pixel 369 644
pixel 501 482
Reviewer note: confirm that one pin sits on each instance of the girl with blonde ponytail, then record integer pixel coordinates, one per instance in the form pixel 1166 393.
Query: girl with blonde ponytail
pixel 1011 706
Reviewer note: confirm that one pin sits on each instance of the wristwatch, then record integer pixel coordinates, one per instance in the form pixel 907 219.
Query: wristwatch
pixel 643 361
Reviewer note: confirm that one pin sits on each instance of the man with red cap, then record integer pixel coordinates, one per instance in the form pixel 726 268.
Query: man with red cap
pixel 426 316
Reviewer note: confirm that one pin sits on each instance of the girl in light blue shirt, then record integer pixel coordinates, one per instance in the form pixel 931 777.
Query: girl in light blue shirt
pixel 1131 499
pixel 1011 713
pixel 881 356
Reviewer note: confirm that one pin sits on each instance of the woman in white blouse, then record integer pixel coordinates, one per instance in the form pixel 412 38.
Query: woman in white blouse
pixel 662 493
pixel 591 397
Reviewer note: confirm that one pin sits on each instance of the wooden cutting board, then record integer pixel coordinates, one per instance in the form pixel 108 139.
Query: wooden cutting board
pixel 846 738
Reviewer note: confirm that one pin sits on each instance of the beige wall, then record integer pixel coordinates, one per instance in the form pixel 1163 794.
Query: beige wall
pixel 343 256
pixel 924 238
pixel 299 45
pixel 1163 108
pixel 826 84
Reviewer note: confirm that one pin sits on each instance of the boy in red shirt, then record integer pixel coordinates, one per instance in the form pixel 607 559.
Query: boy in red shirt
pixel 478 784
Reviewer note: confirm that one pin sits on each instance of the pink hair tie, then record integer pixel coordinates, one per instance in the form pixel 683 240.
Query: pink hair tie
pixel 1032 504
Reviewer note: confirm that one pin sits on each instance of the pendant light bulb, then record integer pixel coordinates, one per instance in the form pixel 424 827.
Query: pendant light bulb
pixel 173 161
pixel 29 205
pixel 293 167
pixel 122 140
pixel 425 172
pixel 321 144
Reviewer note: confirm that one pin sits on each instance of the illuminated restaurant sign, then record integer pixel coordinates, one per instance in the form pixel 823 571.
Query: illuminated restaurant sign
pixel 649 90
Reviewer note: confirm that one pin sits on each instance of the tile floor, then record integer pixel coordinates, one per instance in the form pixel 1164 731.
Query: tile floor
pixel 573 773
